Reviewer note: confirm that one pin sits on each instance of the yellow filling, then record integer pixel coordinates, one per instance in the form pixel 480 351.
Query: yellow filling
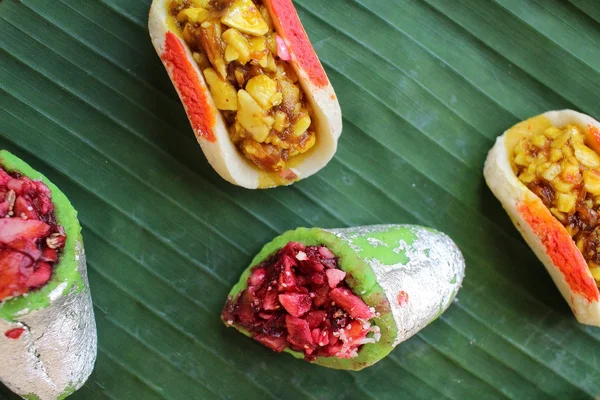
pixel 259 95
pixel 564 172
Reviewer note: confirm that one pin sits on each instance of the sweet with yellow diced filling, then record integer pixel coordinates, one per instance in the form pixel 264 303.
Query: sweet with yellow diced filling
pixel 263 86
pixel 546 173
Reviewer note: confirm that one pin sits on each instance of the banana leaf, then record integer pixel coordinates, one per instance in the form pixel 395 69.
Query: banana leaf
pixel 425 87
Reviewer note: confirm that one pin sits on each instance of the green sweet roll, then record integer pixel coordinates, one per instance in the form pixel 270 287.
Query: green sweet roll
pixel 344 298
pixel 47 328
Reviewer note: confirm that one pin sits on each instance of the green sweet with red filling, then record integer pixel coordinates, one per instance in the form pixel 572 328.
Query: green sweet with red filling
pixel 298 299
pixel 30 239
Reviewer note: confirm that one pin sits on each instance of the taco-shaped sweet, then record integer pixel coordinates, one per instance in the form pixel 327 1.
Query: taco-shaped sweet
pixel 256 95
pixel 546 173
pixel 344 298
pixel 47 328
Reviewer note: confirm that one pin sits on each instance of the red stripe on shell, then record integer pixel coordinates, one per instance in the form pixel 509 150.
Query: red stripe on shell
pixel 593 138
pixel 561 248
pixel 292 31
pixel 193 94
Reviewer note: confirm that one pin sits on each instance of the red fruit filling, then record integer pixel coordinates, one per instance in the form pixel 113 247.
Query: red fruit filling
pixel 298 299
pixel 30 239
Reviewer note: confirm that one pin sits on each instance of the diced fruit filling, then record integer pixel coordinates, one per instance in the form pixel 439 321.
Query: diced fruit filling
pixel 246 65
pixel 564 173
pixel 298 299
pixel 30 239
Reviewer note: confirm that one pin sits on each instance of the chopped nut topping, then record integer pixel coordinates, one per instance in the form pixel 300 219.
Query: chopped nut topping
pixel 564 173
pixel 56 240
pixel 246 67
pixel 10 198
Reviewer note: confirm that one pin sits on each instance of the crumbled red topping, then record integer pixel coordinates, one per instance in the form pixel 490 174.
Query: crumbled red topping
pixel 298 299
pixel 14 333
pixel 30 239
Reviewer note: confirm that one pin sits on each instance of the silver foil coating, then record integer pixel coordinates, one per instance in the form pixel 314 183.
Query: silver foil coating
pixel 423 287
pixel 57 350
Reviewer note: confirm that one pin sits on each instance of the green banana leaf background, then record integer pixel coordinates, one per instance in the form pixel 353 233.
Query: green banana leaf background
pixel 425 87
